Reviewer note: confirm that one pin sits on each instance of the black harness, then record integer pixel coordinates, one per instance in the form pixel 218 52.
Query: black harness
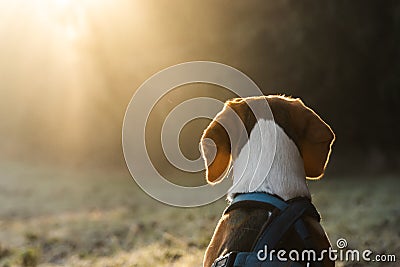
pixel 290 214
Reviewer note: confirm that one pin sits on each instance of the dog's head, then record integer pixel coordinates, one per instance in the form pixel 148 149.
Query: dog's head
pixel 222 140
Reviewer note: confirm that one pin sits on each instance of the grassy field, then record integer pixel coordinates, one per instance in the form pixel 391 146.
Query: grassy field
pixel 52 216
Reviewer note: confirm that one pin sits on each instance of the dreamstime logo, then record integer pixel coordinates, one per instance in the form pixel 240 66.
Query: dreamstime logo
pixel 137 114
pixel 310 255
pixel 341 243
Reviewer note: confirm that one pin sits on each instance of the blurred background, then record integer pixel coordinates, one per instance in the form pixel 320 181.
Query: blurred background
pixel 69 68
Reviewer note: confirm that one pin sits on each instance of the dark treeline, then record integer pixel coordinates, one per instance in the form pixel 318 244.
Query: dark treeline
pixel 341 57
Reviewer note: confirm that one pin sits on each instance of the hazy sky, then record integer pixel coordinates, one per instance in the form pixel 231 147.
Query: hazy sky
pixel 68 68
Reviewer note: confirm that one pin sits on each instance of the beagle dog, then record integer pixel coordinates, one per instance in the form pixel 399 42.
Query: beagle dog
pixel 272 144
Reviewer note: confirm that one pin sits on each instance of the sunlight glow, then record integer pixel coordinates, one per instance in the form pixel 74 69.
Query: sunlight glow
pixel 56 57
pixel 63 3
pixel 68 17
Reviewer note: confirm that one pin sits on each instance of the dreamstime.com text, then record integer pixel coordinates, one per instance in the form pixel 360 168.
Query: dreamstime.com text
pixel 340 254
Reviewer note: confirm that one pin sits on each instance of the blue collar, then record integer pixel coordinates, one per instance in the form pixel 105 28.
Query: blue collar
pixel 258 198
pixel 261 197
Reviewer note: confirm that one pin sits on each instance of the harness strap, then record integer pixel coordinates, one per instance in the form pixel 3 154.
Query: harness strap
pixel 282 223
pixel 250 259
pixel 290 214
pixel 244 259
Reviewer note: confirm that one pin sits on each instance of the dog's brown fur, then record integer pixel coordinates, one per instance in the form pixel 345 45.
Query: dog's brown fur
pixel 237 230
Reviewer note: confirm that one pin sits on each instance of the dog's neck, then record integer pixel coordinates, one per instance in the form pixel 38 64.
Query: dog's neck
pixel 252 168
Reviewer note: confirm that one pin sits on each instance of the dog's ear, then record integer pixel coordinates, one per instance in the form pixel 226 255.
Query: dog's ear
pixel 216 143
pixel 315 139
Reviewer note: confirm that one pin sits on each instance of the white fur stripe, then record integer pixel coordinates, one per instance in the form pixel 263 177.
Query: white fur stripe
pixel 253 171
